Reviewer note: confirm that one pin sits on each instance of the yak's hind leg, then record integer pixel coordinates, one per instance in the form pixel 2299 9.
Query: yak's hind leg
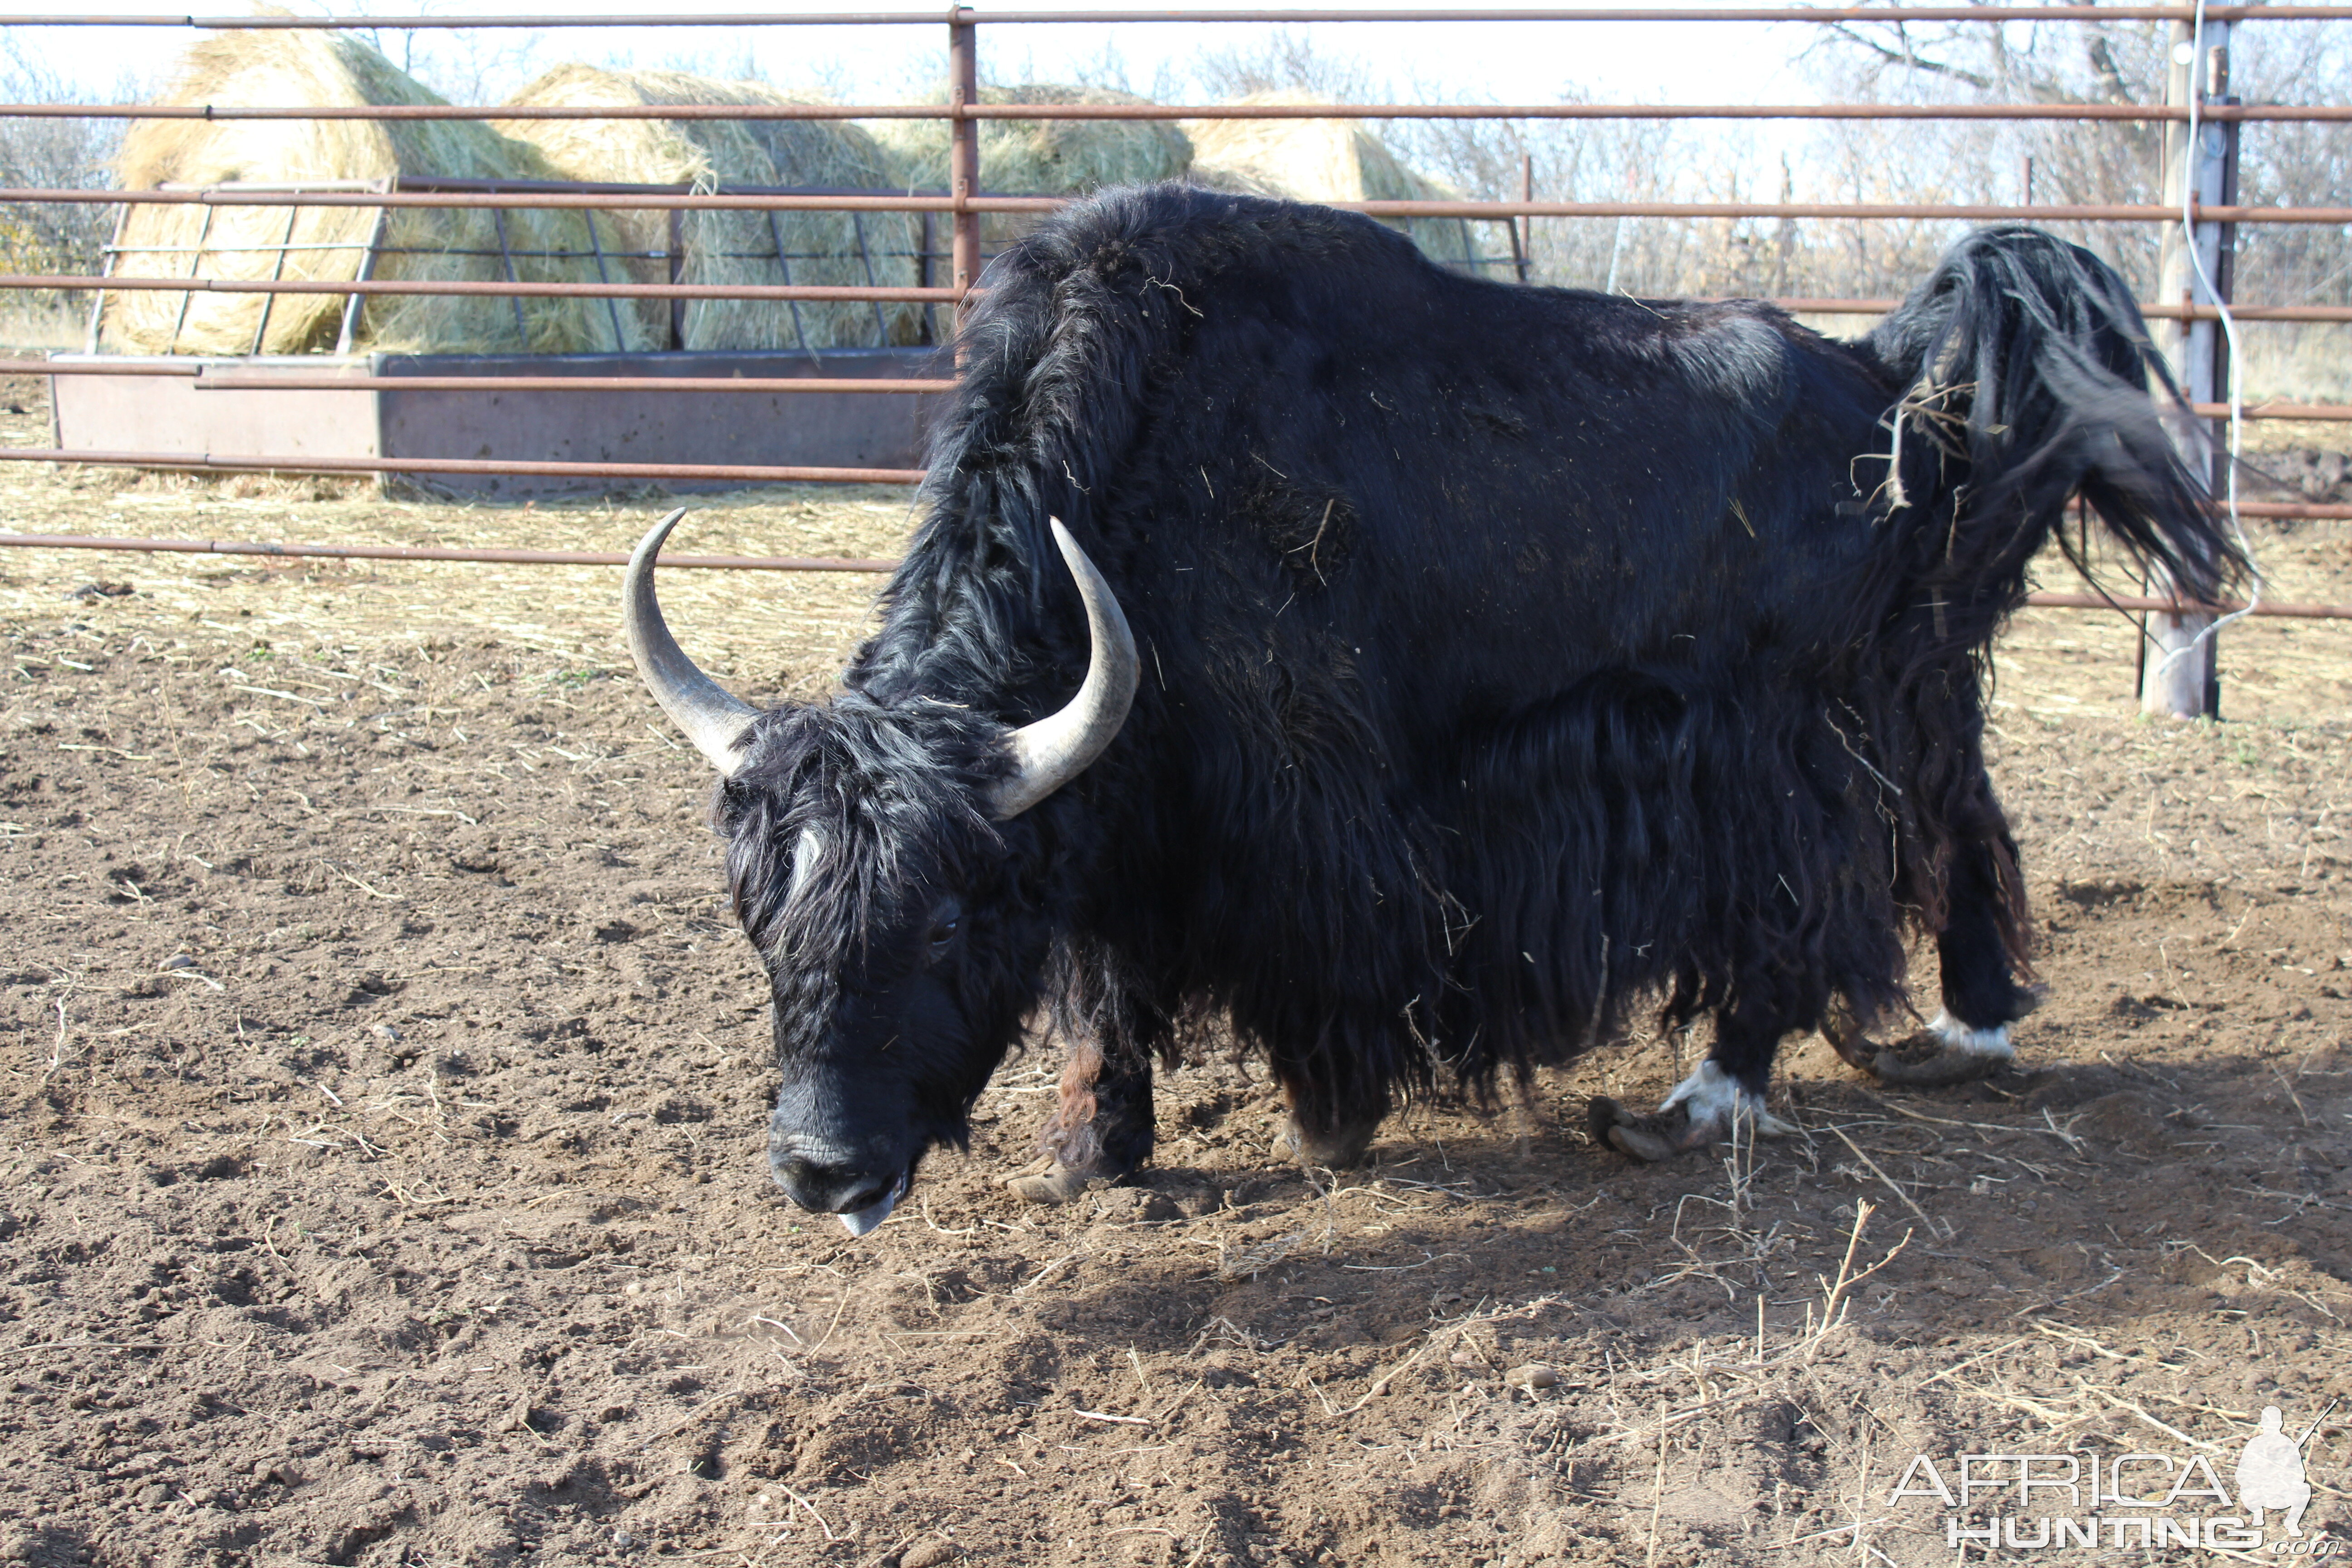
pixel 1968 1038
pixel 1705 1107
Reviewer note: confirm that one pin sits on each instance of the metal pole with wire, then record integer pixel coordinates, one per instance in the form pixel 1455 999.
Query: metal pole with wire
pixel 2179 672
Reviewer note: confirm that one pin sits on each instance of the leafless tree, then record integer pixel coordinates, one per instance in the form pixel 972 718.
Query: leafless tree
pixel 1286 60
pixel 2280 164
pixel 76 154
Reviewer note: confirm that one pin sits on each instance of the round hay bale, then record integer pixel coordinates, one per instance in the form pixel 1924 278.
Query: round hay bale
pixel 1038 157
pixel 1323 161
pixel 301 67
pixel 806 247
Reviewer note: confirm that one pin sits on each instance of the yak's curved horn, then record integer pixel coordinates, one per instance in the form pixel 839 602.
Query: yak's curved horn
pixel 713 720
pixel 1057 748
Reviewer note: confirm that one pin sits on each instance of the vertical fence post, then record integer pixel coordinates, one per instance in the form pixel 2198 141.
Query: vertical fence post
pixel 963 151
pixel 675 272
pixel 925 272
pixel 1523 229
pixel 2189 685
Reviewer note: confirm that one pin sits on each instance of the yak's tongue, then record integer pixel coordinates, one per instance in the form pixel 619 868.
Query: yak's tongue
pixel 857 1222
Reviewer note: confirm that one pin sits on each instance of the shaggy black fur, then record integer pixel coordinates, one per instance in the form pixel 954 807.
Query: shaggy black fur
pixel 1510 655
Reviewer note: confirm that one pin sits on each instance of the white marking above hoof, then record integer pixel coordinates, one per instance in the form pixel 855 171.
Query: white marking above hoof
pixel 1991 1043
pixel 1711 1096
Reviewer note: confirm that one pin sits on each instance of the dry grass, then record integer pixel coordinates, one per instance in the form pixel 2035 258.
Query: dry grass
pixel 1042 157
pixel 772 632
pixel 1037 157
pixel 282 68
pixel 804 247
pixel 1322 161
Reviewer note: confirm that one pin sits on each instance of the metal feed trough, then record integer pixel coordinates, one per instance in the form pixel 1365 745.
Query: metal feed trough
pixel 559 413
pixel 555 415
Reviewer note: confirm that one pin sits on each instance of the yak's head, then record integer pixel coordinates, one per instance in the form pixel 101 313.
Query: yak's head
pixel 903 934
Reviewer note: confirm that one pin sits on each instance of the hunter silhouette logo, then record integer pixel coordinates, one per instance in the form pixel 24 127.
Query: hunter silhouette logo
pixel 2270 1472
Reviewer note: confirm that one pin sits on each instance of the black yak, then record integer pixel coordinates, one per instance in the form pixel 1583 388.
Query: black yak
pixel 1462 664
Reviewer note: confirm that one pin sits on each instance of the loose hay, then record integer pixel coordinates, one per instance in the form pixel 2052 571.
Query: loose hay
pixel 305 69
pixel 1323 161
pixel 759 247
pixel 1038 157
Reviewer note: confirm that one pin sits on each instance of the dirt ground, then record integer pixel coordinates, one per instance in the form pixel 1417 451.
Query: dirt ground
pixel 380 1142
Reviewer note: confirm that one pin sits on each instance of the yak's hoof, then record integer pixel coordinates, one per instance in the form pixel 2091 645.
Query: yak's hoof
pixel 1705 1108
pixel 1651 1139
pixel 1925 1062
pixel 1946 1052
pixel 1850 1038
pixel 1055 1185
pixel 1334 1149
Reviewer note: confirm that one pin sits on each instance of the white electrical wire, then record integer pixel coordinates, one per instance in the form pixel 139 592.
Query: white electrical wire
pixel 2236 393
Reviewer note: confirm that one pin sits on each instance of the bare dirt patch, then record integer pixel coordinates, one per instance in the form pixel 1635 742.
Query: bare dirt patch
pixel 382 1094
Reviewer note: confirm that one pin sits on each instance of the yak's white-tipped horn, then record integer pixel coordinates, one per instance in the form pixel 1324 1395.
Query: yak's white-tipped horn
pixel 712 718
pixel 1057 748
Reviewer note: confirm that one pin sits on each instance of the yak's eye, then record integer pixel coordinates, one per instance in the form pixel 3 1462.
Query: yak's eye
pixel 944 926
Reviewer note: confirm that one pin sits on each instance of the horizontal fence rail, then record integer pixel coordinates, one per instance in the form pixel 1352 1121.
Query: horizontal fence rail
pixel 2136 603
pixel 829 385
pixel 208 379
pixel 110 281
pixel 2048 601
pixel 292 463
pixel 438 552
pixel 2046 212
pixel 961 15
pixel 2128 112
pixel 114 282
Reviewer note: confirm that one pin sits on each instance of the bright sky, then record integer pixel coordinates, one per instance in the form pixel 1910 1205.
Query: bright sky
pixel 1504 61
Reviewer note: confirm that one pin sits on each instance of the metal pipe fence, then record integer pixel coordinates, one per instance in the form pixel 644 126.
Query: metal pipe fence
pixel 2209 211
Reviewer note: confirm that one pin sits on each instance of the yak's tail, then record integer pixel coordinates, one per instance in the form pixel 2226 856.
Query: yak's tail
pixel 2028 375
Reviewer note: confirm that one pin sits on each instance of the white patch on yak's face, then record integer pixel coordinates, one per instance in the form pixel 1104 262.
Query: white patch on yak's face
pixel 1992 1042
pixel 1711 1095
pixel 805 854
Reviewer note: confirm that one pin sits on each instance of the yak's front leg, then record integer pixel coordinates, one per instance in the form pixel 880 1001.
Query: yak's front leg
pixel 1705 1107
pixel 1321 1133
pixel 1101 1128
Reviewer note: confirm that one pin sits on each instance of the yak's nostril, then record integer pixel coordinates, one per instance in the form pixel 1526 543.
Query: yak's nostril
pixel 831 1189
pixel 865 1199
